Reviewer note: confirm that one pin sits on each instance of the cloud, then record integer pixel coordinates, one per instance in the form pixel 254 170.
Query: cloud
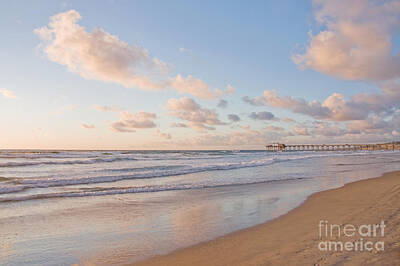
pixel 222 103
pixel 233 118
pixel 271 98
pixel 245 137
pixel 129 121
pixel 193 86
pixel 87 126
pixel 288 120
pixel 99 55
pixel 301 130
pixel 105 108
pixel 336 107
pixel 373 128
pixel 162 135
pixel 371 125
pixel 230 89
pixel 356 40
pixel 262 116
pixel 274 128
pixel 327 129
pixel 7 93
pixel 178 125
pixel 197 117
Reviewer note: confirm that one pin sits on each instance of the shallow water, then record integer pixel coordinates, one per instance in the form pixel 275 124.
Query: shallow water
pixel 115 207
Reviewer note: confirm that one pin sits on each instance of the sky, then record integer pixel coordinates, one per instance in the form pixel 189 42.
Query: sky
pixel 198 74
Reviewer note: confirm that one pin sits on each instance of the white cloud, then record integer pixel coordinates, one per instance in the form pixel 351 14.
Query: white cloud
pixel 336 107
pixel 356 40
pixel 193 86
pixel 271 98
pixel 102 56
pixel 197 117
pixel 7 93
pixel 129 121
pixel 96 55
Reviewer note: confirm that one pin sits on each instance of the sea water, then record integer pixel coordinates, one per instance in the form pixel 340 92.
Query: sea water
pixel 117 207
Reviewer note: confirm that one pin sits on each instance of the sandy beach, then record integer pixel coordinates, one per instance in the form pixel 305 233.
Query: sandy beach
pixel 295 238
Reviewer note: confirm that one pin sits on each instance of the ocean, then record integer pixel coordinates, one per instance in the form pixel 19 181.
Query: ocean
pixel 116 207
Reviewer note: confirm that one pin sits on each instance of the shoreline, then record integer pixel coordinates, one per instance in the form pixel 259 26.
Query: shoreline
pixel 293 238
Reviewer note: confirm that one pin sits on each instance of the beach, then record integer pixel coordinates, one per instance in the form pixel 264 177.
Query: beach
pixel 122 207
pixel 293 238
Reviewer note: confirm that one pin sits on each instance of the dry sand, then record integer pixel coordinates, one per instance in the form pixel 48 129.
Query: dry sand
pixel 293 238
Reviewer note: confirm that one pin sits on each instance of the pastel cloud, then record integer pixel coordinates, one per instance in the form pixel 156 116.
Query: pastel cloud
pixel 129 122
pixel 222 103
pixel 183 125
pixel 7 93
pixel 99 55
pixel 106 108
pixel 274 128
pixel 371 125
pixel 230 89
pixel 193 86
pixel 327 129
pixel 301 130
pixel 87 126
pixel 162 134
pixel 288 120
pixel 335 107
pixel 246 137
pixel 372 128
pixel 234 118
pixel 262 116
pixel 356 40
pixel 190 111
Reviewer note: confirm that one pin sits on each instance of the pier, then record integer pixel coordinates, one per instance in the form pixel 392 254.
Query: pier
pixel 332 147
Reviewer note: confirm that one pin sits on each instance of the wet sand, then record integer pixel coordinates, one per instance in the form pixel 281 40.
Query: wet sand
pixel 295 238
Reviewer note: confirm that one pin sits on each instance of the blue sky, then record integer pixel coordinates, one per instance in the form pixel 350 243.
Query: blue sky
pixel 248 46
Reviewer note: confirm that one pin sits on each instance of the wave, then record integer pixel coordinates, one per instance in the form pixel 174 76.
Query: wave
pixel 13 189
pixel 43 183
pixel 148 172
pixel 129 190
pixel 52 182
pixel 147 168
pixel 86 161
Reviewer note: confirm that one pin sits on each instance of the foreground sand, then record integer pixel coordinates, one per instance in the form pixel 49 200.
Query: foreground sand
pixel 293 239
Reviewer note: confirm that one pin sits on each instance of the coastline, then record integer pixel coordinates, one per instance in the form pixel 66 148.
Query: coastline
pixel 293 238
